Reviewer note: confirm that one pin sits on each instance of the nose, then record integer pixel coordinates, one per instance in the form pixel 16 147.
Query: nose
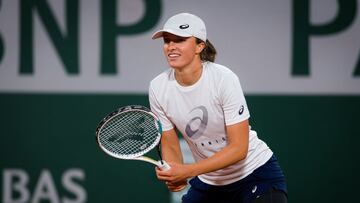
pixel 171 45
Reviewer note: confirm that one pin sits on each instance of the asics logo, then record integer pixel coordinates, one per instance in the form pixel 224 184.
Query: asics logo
pixel 198 122
pixel 184 26
pixel 241 110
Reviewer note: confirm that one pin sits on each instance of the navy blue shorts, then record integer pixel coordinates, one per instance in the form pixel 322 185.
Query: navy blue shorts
pixel 268 177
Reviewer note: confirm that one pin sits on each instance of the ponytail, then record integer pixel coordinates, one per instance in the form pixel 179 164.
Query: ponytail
pixel 209 52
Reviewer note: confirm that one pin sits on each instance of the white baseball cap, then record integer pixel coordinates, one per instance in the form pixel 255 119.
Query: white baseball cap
pixel 183 25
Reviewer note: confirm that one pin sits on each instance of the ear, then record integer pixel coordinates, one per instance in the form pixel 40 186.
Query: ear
pixel 200 47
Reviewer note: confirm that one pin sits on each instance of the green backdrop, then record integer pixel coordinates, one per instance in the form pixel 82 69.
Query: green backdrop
pixel 314 137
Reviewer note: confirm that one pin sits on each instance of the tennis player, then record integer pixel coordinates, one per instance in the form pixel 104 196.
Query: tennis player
pixel 205 102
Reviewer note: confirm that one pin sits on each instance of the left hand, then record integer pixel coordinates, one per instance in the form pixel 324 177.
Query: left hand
pixel 176 176
pixel 176 187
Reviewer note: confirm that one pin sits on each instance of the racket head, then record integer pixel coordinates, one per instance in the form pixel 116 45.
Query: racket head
pixel 129 132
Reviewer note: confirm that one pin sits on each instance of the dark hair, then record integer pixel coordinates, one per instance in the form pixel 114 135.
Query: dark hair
pixel 209 52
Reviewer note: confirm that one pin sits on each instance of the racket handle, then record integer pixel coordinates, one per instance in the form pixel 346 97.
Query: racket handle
pixel 163 165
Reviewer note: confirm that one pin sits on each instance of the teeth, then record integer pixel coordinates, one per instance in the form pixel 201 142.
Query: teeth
pixel 173 55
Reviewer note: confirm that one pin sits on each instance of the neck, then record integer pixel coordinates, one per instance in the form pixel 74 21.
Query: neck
pixel 188 76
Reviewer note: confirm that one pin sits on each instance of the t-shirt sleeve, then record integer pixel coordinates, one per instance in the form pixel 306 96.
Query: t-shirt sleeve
pixel 233 100
pixel 158 111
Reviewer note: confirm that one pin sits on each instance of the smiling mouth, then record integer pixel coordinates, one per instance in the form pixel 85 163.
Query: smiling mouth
pixel 173 56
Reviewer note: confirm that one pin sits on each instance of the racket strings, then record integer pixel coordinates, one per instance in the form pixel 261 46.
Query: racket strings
pixel 129 134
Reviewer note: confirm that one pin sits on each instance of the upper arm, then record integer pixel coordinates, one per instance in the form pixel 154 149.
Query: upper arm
pixel 232 100
pixel 238 136
pixel 157 108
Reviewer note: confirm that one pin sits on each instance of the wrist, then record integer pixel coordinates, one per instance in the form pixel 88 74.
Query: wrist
pixel 193 170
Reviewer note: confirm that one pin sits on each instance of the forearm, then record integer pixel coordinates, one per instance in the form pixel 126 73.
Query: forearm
pixel 226 157
pixel 170 147
pixel 235 151
pixel 171 154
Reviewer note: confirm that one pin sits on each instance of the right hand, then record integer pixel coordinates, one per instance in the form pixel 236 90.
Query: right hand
pixel 176 187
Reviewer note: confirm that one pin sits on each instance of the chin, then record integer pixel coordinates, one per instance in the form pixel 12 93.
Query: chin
pixel 174 65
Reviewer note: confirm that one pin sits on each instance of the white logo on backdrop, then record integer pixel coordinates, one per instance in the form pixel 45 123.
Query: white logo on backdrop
pixel 261 54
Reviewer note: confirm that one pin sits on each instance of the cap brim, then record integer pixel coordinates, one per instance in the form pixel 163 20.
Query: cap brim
pixel 160 33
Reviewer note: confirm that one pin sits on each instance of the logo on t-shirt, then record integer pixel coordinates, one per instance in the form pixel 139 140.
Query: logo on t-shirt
pixel 197 125
pixel 241 110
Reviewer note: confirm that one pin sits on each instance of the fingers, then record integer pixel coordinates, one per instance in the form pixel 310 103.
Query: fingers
pixel 176 187
pixel 171 184
pixel 163 175
pixel 175 175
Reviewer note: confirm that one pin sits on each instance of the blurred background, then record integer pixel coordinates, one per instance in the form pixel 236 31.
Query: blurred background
pixel 65 64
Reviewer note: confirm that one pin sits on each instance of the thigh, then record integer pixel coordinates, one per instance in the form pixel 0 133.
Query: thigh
pixel 272 196
pixel 196 196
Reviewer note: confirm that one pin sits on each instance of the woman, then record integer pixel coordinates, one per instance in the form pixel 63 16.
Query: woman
pixel 205 102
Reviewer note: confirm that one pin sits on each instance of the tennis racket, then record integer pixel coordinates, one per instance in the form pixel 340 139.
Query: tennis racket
pixel 129 133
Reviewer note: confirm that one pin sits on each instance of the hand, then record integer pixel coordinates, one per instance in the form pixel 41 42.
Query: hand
pixel 176 177
pixel 176 187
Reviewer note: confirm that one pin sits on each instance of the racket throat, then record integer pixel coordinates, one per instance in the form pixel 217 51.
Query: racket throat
pixel 149 160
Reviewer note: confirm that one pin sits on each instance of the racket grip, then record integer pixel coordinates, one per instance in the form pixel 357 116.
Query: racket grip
pixel 163 165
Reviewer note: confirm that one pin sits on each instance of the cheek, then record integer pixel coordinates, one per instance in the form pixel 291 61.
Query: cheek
pixel 193 51
pixel 164 48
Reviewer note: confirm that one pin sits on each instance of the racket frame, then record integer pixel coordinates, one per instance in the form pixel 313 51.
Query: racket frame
pixel 139 155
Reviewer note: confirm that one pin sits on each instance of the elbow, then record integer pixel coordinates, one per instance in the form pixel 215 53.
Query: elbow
pixel 242 153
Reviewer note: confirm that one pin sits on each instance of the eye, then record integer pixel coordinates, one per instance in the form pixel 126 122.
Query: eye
pixel 181 40
pixel 166 40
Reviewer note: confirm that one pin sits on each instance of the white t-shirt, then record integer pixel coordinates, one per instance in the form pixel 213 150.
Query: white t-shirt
pixel 201 112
